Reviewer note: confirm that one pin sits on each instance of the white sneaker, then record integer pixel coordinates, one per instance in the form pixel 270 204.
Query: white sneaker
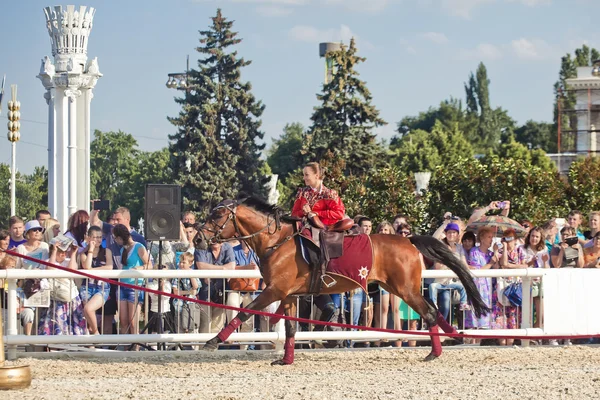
pixel 553 342
pixel 567 342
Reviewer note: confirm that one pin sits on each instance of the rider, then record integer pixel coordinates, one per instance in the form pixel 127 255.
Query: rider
pixel 315 200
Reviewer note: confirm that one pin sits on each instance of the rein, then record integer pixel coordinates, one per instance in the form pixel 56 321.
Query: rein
pixel 273 217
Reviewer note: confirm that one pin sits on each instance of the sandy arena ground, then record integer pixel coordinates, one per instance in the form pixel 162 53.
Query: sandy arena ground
pixel 490 373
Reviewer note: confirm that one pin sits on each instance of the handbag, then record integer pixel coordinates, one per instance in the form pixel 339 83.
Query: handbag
pixel 500 292
pixel 244 284
pixel 60 290
pixel 514 293
pixel 31 287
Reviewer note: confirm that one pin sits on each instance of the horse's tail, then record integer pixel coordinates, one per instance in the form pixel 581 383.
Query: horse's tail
pixel 435 250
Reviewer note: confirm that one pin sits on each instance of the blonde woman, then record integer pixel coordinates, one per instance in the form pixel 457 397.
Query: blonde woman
pixel 51 229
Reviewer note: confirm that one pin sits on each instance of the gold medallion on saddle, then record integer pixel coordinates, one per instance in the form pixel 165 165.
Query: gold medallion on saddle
pixel 340 249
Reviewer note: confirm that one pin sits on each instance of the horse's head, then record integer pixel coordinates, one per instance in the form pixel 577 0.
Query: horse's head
pixel 219 226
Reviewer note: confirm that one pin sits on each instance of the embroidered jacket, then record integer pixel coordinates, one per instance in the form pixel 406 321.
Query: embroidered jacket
pixel 325 203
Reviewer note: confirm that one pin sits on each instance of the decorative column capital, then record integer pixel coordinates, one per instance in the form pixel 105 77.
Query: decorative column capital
pixel 72 94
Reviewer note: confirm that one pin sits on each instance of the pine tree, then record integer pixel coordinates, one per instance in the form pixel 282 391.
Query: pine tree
pixel 214 153
pixel 344 121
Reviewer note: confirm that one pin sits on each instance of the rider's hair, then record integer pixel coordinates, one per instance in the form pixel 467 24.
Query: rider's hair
pixel 316 168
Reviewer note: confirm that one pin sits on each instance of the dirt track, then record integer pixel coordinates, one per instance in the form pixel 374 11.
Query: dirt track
pixel 511 373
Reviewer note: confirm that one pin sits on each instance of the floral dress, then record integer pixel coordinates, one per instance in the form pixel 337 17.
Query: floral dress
pixel 506 317
pixel 63 318
pixel 477 259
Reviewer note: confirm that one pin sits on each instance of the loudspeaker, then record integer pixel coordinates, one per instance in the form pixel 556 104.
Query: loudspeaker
pixel 163 208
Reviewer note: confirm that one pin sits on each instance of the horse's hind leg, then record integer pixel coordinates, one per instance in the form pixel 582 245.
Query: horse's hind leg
pixel 263 300
pixel 290 333
pixel 429 313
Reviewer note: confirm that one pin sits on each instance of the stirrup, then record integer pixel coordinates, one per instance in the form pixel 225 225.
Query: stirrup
pixel 330 284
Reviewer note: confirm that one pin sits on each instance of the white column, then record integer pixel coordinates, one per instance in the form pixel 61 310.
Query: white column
pixel 61 140
pixel 72 153
pixel 49 96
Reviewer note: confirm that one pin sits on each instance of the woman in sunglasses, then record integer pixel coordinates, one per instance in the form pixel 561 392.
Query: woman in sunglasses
pixel 404 230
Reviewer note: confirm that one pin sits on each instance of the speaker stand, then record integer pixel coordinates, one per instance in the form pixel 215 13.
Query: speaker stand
pixel 159 318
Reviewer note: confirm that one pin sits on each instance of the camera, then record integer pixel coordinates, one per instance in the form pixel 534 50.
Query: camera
pixel 571 240
pixel 502 205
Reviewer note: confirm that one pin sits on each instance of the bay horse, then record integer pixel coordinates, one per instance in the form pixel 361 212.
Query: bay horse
pixel 396 267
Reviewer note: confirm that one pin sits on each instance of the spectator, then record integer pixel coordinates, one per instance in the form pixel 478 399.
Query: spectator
pixel 217 256
pixel 190 234
pixel 34 248
pixel 6 262
pixel 404 230
pixel 133 256
pixel 51 229
pixel 479 213
pixel 468 241
pixel 536 256
pixel 163 285
pixel 94 293
pixel 189 218
pixel 245 259
pixel 550 236
pixel 567 254
pixel 512 257
pixel 385 228
pixel 186 312
pixel 594 224
pixel 170 249
pixel 574 219
pixel 15 227
pixel 42 215
pixel 527 225
pixel 440 289
pixel 365 225
pixel 78 227
pixel 398 220
pixel 4 242
pixel 63 317
pixel 481 257
pixel 592 254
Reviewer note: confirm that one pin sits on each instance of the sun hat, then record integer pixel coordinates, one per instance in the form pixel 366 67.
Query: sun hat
pixel 452 227
pixel 33 224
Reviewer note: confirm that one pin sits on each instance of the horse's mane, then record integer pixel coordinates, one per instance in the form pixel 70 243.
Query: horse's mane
pixel 260 205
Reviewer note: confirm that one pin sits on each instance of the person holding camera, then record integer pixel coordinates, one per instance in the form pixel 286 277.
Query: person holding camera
pixel 568 253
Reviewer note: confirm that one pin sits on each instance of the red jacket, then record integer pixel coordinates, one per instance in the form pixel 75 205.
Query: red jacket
pixel 326 204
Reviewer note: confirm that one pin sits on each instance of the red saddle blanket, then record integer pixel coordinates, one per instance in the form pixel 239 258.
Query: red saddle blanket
pixel 357 260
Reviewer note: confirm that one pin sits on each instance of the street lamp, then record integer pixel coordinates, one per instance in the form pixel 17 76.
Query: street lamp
pixel 179 80
pixel 14 115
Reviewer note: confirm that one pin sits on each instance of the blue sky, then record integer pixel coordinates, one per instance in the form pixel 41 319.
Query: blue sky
pixel 419 52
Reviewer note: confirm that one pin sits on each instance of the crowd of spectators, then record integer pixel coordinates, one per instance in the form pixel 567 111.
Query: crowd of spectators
pixel 88 306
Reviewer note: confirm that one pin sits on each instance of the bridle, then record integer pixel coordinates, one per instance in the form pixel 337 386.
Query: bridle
pixel 272 218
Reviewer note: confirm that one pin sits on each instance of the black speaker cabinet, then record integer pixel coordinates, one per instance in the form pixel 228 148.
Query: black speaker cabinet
pixel 163 208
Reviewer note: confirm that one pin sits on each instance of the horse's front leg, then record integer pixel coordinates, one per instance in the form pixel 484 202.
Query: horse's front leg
pixel 290 333
pixel 267 297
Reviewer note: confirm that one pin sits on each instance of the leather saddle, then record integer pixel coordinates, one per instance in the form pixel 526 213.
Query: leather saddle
pixel 331 243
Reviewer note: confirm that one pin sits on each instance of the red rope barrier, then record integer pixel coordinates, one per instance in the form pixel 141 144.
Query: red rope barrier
pixel 295 319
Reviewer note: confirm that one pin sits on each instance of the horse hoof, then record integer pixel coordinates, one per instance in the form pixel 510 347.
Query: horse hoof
pixel 431 356
pixel 280 362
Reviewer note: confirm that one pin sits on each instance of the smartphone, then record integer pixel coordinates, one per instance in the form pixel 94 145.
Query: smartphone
pixel 572 240
pixel 502 205
pixel 102 205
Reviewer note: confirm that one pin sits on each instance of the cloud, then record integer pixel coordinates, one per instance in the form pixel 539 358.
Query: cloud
pixel 274 11
pixel 463 8
pixel 532 49
pixel 435 37
pixel 483 51
pixel 360 5
pixel 531 3
pixel 311 34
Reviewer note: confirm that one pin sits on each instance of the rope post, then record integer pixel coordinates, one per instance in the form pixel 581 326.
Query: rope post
pixel 526 308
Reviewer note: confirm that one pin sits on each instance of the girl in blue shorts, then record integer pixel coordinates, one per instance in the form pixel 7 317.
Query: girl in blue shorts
pixel 133 256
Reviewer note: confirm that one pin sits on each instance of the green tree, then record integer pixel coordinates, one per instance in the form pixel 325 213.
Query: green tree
pixel 215 153
pixel 284 156
pixel 583 57
pixel 535 193
pixel 31 193
pixel 449 113
pixel 424 151
pixel 511 149
pixel 584 192
pixel 345 119
pixel 492 122
pixel 537 135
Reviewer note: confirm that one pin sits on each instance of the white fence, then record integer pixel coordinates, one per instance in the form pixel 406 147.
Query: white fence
pixel 569 308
